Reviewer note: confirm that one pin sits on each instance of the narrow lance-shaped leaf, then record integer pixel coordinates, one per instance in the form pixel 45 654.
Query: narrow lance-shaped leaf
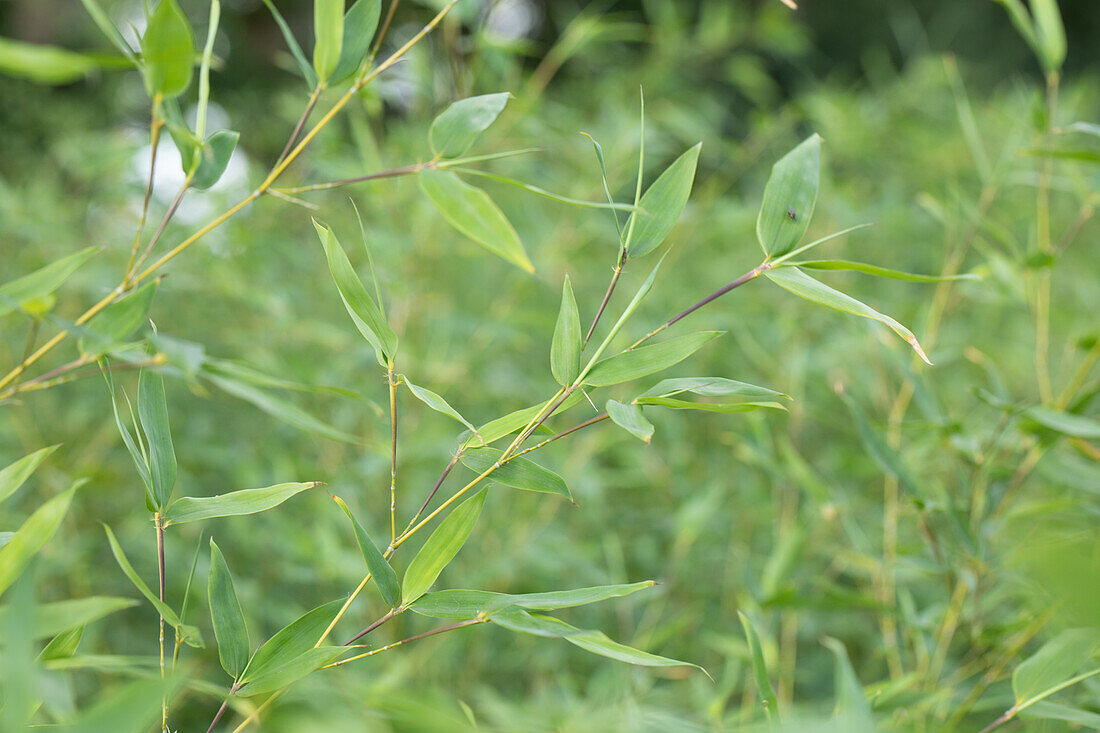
pixel 32 535
pixel 472 212
pixel 360 22
pixel 441 547
pixel 120 319
pixel 153 411
pixel 1050 32
pixel 189 634
pixel 382 572
pixel 646 360
pixel 465 604
pixel 596 642
pixel 291 653
pixel 519 473
pixel 364 312
pixel 103 22
pixel 214 158
pixel 226 615
pixel 13 475
pixel 880 271
pixel 1067 423
pixel 662 204
pixel 304 67
pixel 168 51
pixel 1056 662
pixel 506 425
pixel 851 702
pixel 565 351
pixel 234 504
pixel 63 645
pixel 456 128
pixel 708 387
pixel 45 64
pixel 630 419
pixel 759 669
pixel 57 616
pixel 43 281
pixel 136 448
pixel 437 403
pixel 789 198
pixel 804 286
pixel 328 36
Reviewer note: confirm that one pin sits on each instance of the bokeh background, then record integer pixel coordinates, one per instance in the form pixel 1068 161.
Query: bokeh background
pixel 923 107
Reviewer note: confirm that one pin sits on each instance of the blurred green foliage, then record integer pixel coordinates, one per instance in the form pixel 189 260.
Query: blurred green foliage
pixel 779 516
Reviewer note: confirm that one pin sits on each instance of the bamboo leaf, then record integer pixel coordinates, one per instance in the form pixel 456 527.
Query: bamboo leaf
pixel 851 702
pixel 596 642
pixel 451 166
pixel 437 403
pixel 1049 32
pixel 234 504
pixel 789 198
pixel 1067 423
pixel 441 547
pixel 630 418
pixel 519 473
pixel 506 425
pixel 328 36
pixel 466 604
pixel 279 408
pixel 58 616
pixel 103 22
pixel 880 271
pixel 42 282
pixel 1046 710
pixel 473 213
pixel 153 411
pixel 276 677
pixel 708 387
pixel 456 128
pixel 722 407
pixel 118 321
pixel 35 532
pixel 304 66
pixel 14 475
pixel 565 350
pixel 44 64
pixel 63 645
pixel 364 312
pixel 279 654
pixel 646 360
pixel 804 286
pixel 168 51
pixel 135 707
pixel 1056 662
pixel 214 158
pixel 760 670
pixel 662 204
pixel 189 634
pixel 382 572
pixel 360 22
pixel 226 615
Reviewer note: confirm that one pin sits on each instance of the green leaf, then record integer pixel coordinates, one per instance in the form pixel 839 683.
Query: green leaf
pixel 279 653
pixel 441 547
pixel 630 419
pixel 437 403
pixel 215 155
pixel 1054 664
pixel 646 360
pixel 466 604
pixel 364 312
pixel 153 411
pixel 328 36
pixel 226 615
pixel 1050 33
pixel 279 408
pixel 851 702
pixel 1067 423
pixel 708 387
pixel 888 459
pixel 792 189
pixel 382 572
pixel 496 429
pixel 728 408
pixel 189 634
pixel 519 473
pixel 234 504
pixel 13 475
pixel 63 645
pixel 662 204
pixel 452 166
pixel 41 282
pixel 44 64
pixel 277 677
pixel 804 286
pixel 135 707
pixel 108 28
pixel 639 296
pixel 118 321
pixel 759 669
pixel 473 213
pixel 880 271
pixel 53 618
pixel 456 128
pixel 168 51
pixel 565 350
pixel 360 23
pixel 304 67
pixel 1046 710
pixel 518 619
pixel 32 535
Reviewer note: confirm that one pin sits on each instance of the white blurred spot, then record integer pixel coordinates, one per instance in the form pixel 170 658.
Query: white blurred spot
pixel 512 19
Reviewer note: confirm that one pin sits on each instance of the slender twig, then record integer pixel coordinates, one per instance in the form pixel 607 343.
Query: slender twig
pixel 432 493
pixel 392 173
pixel 313 97
pixel 1007 716
pixel 163 223
pixel 381 620
pixel 416 637
pixel 221 711
pixel 381 36
pixel 607 296
pixel 159 522
pixel 39 383
pixel 155 125
pixel 393 454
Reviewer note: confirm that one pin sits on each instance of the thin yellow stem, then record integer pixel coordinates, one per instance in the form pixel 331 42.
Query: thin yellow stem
pixel 155 125
pixel 393 455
